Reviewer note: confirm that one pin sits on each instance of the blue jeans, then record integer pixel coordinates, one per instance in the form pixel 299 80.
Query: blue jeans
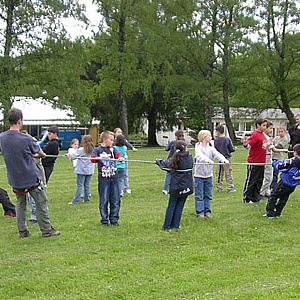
pixel 126 178
pixel 121 174
pixel 203 195
pixel 82 181
pixel 275 178
pixel 174 212
pixel 109 194
pixel 167 181
pixel 32 206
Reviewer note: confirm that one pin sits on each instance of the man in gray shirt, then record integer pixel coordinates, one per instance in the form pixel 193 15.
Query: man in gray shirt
pixel 22 174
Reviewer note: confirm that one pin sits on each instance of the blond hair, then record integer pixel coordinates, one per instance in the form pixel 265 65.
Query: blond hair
pixel 202 134
pixel 281 127
pixel 105 135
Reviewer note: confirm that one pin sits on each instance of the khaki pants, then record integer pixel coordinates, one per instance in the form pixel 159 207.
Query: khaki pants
pixel 42 213
pixel 220 170
pixel 268 176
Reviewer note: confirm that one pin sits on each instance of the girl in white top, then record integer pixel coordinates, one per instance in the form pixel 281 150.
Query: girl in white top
pixel 204 155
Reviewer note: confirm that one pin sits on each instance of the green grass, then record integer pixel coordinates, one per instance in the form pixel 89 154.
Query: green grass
pixel 236 255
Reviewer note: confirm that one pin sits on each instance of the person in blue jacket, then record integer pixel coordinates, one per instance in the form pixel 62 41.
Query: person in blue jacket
pixel 179 135
pixel 180 167
pixel 289 179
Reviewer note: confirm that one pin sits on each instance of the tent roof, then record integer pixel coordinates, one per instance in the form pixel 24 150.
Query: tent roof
pixel 41 112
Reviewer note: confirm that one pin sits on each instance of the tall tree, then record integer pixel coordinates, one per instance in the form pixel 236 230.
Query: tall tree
pixel 279 50
pixel 118 61
pixel 24 26
pixel 234 25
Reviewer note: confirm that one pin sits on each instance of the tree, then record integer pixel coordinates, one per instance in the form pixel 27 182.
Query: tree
pixel 117 61
pixel 234 25
pixel 279 49
pixel 25 25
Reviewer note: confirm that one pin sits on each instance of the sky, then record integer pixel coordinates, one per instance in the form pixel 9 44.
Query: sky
pixel 76 29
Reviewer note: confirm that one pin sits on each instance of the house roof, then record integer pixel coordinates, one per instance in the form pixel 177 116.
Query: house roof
pixel 42 112
pixel 243 113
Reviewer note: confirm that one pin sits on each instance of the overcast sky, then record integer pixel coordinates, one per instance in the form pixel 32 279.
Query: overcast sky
pixel 77 29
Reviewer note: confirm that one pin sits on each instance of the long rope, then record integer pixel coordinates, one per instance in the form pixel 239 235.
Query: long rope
pixel 152 162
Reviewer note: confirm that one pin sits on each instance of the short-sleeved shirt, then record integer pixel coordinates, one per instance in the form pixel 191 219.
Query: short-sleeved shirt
pixel 170 147
pixel 107 168
pixel 17 149
pixel 224 145
pixel 257 153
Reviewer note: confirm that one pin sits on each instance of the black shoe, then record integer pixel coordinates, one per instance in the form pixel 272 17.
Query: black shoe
pixel 52 232
pixel 24 233
pixel 115 224
pixel 31 221
pixel 104 224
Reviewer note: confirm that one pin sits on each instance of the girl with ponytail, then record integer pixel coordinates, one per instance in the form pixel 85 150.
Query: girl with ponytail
pixel 180 167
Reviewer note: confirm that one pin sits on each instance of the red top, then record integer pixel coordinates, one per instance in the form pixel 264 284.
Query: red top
pixel 258 147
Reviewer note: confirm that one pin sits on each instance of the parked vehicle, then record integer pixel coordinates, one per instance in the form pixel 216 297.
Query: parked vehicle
pixel 65 136
pixel 241 134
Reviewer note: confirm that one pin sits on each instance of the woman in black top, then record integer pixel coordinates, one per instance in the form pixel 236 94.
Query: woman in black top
pixel 294 132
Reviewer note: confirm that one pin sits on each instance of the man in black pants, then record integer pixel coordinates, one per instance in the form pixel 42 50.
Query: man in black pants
pixel 8 207
pixel 51 148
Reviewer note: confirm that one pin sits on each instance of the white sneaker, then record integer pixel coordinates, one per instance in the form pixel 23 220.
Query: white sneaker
pixel 165 192
pixel 128 191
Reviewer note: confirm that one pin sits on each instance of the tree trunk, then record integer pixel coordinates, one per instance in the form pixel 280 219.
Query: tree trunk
pixel 225 96
pixel 210 70
pixel 152 127
pixel 286 108
pixel 123 122
pixel 5 101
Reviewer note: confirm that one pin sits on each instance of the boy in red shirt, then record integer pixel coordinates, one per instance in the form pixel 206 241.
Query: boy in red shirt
pixel 257 154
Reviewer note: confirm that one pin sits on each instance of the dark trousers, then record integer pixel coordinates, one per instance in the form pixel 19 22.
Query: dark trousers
pixel 5 201
pixel 275 178
pixel 48 170
pixel 174 212
pixel 109 194
pixel 254 181
pixel 281 192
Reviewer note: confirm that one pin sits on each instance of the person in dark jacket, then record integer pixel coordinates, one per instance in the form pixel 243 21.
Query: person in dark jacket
pixel 51 148
pixel 179 135
pixel 289 179
pixel 8 207
pixel 180 167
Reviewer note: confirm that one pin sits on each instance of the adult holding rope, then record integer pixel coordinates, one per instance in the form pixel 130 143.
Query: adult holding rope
pixel 257 154
pixel 294 132
pixel 17 150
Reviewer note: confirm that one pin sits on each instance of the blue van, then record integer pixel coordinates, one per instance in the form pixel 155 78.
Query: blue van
pixel 65 136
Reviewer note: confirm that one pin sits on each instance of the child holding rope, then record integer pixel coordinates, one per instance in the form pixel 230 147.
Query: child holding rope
pixel 180 168
pixel 74 146
pixel 179 135
pixel 84 169
pixel 204 153
pixel 129 146
pixel 257 155
pixel 289 179
pixel 108 183
pixel 224 145
pixel 121 166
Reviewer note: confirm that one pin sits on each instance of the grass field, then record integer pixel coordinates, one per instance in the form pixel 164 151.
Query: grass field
pixel 236 255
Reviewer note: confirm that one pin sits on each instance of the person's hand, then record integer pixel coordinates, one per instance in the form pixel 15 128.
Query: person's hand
pixel 121 158
pixel 135 149
pixel 245 141
pixel 211 162
pixel 42 154
pixel 226 161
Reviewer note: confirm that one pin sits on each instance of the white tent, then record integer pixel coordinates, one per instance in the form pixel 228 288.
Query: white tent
pixel 41 112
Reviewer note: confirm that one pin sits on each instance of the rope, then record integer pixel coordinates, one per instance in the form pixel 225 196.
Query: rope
pixel 152 162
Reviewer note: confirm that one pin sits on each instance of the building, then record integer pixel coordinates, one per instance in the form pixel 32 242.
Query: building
pixel 39 114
